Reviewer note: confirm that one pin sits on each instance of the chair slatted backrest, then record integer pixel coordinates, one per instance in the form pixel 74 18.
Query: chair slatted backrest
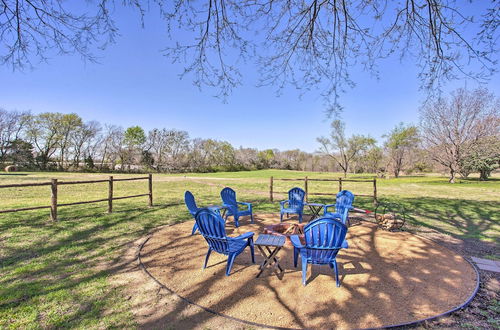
pixel 190 202
pixel 228 196
pixel 212 228
pixel 296 197
pixel 323 239
pixel 344 200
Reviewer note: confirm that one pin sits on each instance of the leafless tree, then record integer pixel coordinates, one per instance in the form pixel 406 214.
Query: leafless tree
pixel 452 128
pixel 12 124
pixel 85 140
pixel 304 43
pixel 168 146
pixel 247 157
pixel 314 43
pixel 111 145
pixel 33 30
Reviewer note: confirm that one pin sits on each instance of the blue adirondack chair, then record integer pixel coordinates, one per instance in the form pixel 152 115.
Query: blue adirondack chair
pixel 228 196
pixel 324 237
pixel 295 203
pixel 343 204
pixel 213 228
pixel 193 208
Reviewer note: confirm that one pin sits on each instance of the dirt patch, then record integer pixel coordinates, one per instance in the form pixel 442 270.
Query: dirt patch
pixel 153 306
pixel 482 313
pixel 387 278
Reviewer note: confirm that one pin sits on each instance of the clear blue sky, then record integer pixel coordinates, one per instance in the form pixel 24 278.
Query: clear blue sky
pixel 134 84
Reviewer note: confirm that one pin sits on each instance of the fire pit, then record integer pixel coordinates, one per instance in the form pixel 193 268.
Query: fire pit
pixel 286 229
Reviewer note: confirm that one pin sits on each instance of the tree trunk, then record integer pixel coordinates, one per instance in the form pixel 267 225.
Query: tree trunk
pixel 452 176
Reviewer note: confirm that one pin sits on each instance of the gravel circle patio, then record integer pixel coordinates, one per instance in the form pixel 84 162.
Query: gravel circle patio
pixel 387 278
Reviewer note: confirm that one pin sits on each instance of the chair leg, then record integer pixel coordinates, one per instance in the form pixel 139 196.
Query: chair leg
pixel 304 271
pixel 206 257
pixel 236 223
pixel 252 249
pixel 281 217
pixel 295 256
pixel 300 217
pixel 230 260
pixel 251 217
pixel 195 228
pixel 335 268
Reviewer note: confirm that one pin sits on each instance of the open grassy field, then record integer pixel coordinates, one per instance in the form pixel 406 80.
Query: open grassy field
pixel 56 274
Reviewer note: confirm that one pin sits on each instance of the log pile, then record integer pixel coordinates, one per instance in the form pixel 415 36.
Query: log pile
pixel 294 229
pixel 390 221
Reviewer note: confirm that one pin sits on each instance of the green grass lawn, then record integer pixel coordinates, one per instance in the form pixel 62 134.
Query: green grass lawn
pixel 56 274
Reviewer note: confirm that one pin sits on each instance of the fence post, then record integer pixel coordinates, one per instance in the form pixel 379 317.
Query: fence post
pixel 110 195
pixel 53 200
pixel 340 184
pixel 150 180
pixel 271 189
pixel 375 202
pixel 305 186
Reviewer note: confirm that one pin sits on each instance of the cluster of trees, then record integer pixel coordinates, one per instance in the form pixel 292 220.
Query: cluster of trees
pixel 460 135
pixel 361 154
pixel 56 141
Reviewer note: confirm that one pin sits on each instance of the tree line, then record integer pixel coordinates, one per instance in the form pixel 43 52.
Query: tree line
pixel 459 134
pixel 57 141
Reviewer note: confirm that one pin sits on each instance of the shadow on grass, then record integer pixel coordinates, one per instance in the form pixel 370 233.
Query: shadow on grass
pixel 473 224
pixel 67 263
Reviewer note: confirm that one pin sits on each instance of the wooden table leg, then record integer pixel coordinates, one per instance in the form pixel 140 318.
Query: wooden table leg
pixel 315 211
pixel 273 254
pixel 269 258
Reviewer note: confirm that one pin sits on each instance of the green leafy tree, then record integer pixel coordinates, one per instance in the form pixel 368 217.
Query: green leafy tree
pixel 20 152
pixel 400 141
pixel 483 165
pixel 484 159
pixel 66 127
pixel 134 139
pixel 43 132
pixel 265 158
pixel 341 149
pixel 372 160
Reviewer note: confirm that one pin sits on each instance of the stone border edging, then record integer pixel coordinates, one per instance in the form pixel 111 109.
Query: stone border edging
pixel 467 302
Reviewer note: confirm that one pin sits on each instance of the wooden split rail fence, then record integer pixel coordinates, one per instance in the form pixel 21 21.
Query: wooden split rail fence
pixel 306 181
pixel 54 183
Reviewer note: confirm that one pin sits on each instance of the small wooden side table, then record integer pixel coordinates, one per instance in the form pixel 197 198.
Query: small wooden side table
pixel 266 242
pixel 316 209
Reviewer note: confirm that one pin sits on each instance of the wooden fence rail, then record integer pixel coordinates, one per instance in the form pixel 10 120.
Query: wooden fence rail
pixel 54 183
pixel 306 181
